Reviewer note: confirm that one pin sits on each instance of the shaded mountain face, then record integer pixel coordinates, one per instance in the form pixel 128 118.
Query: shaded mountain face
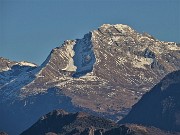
pixel 104 73
pixel 3 133
pixel 160 107
pixel 63 123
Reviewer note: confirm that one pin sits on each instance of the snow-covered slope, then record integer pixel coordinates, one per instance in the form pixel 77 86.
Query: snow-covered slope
pixel 13 76
pixel 105 72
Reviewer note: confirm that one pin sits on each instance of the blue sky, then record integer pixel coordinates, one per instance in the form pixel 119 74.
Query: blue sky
pixel 29 29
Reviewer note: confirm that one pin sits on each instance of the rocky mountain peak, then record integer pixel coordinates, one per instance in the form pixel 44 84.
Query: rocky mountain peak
pixel 119 27
pixel 111 55
pixel 111 60
pixel 120 41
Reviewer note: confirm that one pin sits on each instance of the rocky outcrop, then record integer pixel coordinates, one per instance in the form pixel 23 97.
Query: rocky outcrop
pixel 160 107
pixel 6 64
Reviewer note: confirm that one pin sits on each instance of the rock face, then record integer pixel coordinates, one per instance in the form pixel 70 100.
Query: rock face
pixel 105 73
pixel 160 107
pixel 63 123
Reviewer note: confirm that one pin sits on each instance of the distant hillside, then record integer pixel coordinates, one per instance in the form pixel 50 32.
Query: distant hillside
pixel 160 107
pixel 60 122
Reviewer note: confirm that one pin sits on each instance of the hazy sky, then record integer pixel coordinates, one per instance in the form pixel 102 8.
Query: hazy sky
pixel 29 29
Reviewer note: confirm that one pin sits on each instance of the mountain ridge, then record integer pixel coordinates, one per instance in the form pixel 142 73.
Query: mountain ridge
pixel 64 123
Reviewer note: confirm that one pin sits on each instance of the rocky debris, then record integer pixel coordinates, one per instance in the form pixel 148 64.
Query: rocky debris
pixel 160 107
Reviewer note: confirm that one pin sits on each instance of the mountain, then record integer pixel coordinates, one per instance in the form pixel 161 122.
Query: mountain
pixel 159 107
pixel 63 123
pixel 104 73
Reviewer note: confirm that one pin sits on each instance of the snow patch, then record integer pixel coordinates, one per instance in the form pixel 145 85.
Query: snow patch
pixel 105 26
pixel 6 69
pixel 139 63
pixel 25 63
pixel 116 38
pixel 173 47
pixel 70 54
pixel 84 57
pixel 122 27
